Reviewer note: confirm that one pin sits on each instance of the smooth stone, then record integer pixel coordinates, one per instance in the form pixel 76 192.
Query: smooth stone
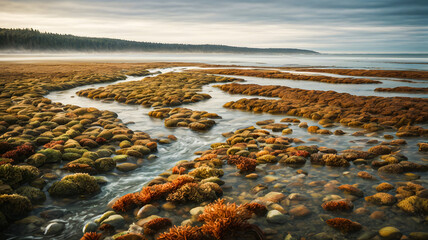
pixel 187 222
pixel 289 237
pixel 196 211
pixel 322 236
pixel 31 220
pixel 367 235
pixel 299 211
pixel 390 233
pixel 152 157
pixel 169 206
pixel 116 220
pixel 52 213
pixel 274 197
pixel 105 216
pixel 147 210
pixel 252 176
pixel 90 227
pixel 54 228
pixel 419 235
pixel 126 167
pixel 269 179
pixel 275 216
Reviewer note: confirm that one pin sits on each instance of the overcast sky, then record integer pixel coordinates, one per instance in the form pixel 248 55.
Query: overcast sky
pixel 343 26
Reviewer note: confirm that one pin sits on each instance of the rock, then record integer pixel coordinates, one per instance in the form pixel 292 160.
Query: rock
pixel 54 228
pixel 52 214
pixel 419 235
pixel 299 211
pixel 169 206
pixel 196 211
pixel 367 235
pixel 377 215
pixel 274 197
pixel 390 233
pixel 90 227
pixel 147 210
pixel 126 167
pixel 31 220
pixel 105 216
pixel 322 236
pixel 120 158
pixel 117 221
pixel 252 176
pixel 275 216
pixel 270 178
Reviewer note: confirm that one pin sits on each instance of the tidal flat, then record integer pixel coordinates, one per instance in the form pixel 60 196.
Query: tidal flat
pixel 180 150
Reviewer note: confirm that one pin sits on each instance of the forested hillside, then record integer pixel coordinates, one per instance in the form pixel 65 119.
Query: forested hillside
pixel 34 40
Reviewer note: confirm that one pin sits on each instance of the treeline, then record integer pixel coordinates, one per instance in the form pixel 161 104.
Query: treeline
pixel 34 40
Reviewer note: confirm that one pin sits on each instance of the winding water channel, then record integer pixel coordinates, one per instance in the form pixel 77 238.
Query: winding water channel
pixel 80 212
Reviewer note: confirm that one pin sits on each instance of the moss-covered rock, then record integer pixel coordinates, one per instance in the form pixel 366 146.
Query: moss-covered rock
pixel 35 195
pixel 105 164
pixel 37 159
pixel 14 206
pixel 52 155
pixel 75 184
pixel 70 156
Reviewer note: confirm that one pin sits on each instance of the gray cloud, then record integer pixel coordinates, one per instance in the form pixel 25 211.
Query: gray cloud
pixel 324 25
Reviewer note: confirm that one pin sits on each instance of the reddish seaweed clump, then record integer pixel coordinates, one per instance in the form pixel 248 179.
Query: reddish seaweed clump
pixel 91 236
pixel 226 220
pixel 183 233
pixel 156 224
pixel 51 144
pixel 148 194
pixel 344 225
pixel 338 205
pixel 20 153
pixel 178 170
pixel 243 163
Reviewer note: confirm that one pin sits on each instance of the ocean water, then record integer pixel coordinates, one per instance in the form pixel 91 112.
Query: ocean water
pixel 81 212
pixel 369 61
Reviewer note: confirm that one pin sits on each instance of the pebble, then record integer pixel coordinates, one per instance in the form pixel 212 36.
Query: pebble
pixel 274 197
pixel 270 178
pixel 115 220
pixel 275 216
pixel 168 206
pixel 126 167
pixel 50 176
pixel 152 157
pixel 367 235
pixel 322 236
pixel 390 233
pixel 196 211
pixel 52 213
pixel 54 228
pixel 147 210
pixel 300 211
pixel 377 215
pixel 90 227
pixel 252 176
pixel 419 235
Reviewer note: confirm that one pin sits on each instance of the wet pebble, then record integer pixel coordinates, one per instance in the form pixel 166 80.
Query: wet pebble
pixel 115 220
pixel 390 233
pixel 54 228
pixel 275 216
pixel 126 167
pixel 90 227
pixel 147 210
pixel 252 176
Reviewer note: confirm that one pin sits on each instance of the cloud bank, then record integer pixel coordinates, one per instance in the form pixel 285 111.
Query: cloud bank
pixel 321 25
